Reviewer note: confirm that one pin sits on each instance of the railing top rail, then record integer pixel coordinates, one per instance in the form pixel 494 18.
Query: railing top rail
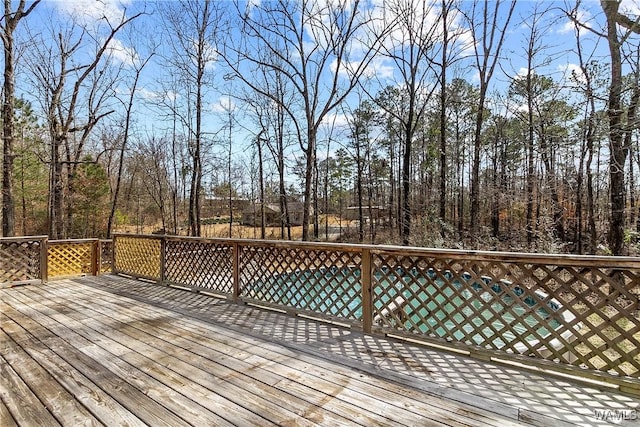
pixel 79 241
pixel 149 236
pixel 23 238
pixel 557 259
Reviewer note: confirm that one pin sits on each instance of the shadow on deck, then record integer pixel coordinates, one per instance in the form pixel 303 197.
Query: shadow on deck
pixel 103 350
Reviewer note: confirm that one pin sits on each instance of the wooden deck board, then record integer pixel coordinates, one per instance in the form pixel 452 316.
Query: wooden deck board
pixel 270 376
pixel 314 372
pixel 141 384
pixel 44 385
pixel 22 403
pixel 235 386
pixel 5 416
pixel 509 391
pixel 109 350
pixel 121 387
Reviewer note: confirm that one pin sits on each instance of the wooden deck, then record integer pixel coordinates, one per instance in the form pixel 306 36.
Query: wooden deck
pixel 115 351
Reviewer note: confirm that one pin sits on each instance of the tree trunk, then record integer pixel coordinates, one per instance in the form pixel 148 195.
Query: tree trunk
pixel 616 134
pixel 308 181
pixel 8 206
pixel 11 20
pixel 406 183
pixel 261 182
pixel 443 121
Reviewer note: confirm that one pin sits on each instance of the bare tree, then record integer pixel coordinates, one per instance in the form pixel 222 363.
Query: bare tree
pixel 448 56
pixel 617 123
pixel 412 46
pixel 488 29
pixel 619 29
pixel 10 22
pixel 194 26
pixel 138 65
pixel 74 94
pixel 310 43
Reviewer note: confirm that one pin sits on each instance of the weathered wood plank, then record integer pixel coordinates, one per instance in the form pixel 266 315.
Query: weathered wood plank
pixel 186 407
pixel 312 381
pixel 198 349
pixel 168 371
pixel 101 404
pixel 525 411
pixel 231 372
pixel 229 340
pixel 6 419
pixel 63 406
pixel 23 404
pixel 137 401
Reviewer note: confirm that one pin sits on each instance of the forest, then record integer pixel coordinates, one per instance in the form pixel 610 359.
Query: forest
pixel 498 125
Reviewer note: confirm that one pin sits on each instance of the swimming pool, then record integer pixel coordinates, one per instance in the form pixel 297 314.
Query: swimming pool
pixel 456 307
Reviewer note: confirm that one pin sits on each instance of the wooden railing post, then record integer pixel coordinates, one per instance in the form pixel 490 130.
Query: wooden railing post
pixel 163 257
pixel 113 253
pixel 367 300
pixel 235 259
pixel 95 257
pixel 44 260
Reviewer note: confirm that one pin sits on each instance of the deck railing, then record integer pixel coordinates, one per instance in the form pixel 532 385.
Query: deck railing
pixel 574 314
pixel 23 259
pixel 36 259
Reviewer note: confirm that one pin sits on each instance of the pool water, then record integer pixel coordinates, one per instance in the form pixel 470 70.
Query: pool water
pixel 436 303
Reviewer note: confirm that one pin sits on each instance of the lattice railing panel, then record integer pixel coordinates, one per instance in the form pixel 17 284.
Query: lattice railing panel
pixel 20 260
pixel 138 256
pixel 66 258
pixel 106 255
pixel 581 311
pixel 586 316
pixel 318 280
pixel 200 264
pixel 604 302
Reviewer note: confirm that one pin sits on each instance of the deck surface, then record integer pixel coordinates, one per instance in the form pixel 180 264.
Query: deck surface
pixel 116 351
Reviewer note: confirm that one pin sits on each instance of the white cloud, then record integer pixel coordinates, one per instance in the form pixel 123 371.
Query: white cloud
pixel 123 54
pixel 572 71
pixel 89 11
pixel 630 7
pixel 582 16
pixel 148 94
pixel 378 68
pixel 224 105
pixel 336 120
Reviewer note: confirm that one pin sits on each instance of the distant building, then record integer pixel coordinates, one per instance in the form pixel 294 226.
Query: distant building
pixel 251 215
pixel 353 212
pixel 219 206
